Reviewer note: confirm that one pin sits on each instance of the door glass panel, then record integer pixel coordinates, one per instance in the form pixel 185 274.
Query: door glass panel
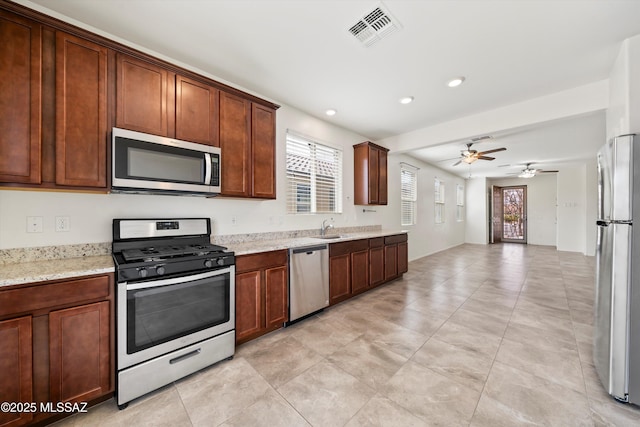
pixel 514 214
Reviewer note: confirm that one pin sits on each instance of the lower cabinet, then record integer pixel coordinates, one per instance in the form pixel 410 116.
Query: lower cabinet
pixel 261 294
pixel 56 345
pixel 358 265
pixel 376 261
pixel 16 381
pixel 79 347
pixel 395 256
pixel 348 269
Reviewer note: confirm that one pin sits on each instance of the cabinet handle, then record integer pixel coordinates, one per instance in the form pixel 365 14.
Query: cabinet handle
pixel 185 356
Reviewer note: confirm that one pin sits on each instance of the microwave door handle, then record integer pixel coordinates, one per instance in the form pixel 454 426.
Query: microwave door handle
pixel 207 168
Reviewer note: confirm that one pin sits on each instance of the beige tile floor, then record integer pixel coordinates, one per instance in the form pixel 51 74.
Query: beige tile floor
pixel 495 335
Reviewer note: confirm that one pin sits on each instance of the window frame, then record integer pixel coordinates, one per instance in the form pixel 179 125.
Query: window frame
pixel 408 197
pixel 439 201
pixel 318 166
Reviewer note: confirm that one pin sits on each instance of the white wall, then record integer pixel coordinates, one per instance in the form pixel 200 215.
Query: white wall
pixel 477 213
pixel 541 206
pixel 426 237
pixel 623 114
pixel 572 207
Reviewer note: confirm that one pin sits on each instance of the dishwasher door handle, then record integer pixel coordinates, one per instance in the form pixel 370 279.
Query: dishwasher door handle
pixel 309 249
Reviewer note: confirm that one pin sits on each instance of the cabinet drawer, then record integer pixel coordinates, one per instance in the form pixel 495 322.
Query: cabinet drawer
pixel 260 260
pixel 397 238
pixel 55 294
pixel 337 249
pixel 377 242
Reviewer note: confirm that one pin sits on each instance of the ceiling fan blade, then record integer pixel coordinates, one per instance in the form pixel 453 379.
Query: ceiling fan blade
pixel 495 150
pixel 541 171
pixel 457 163
pixel 486 158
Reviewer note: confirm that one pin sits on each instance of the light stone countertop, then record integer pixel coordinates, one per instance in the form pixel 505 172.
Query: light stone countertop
pixel 39 271
pixel 53 269
pixel 247 248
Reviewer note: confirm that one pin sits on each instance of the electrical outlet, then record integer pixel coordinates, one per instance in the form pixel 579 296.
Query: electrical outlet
pixel 34 224
pixel 62 223
pixel 234 220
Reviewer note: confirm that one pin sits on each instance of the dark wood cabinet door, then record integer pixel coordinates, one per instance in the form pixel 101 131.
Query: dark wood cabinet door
pixel 370 174
pixel 339 278
pixel 382 177
pixel 373 176
pixel 80 361
pixel 196 111
pixel 359 271
pixel 376 266
pixel 145 97
pixel 81 112
pixel 249 316
pixel 390 261
pixel 275 283
pixel 235 145
pixel 20 99
pixel 263 151
pixel 16 381
pixel 403 257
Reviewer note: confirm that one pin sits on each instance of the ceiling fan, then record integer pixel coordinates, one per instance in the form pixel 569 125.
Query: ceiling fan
pixel 469 156
pixel 529 172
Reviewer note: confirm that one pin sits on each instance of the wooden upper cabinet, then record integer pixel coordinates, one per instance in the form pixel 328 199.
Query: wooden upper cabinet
pixel 20 99
pixel 370 174
pixel 263 151
pixel 16 381
pixel 196 111
pixel 145 97
pixel 235 145
pixel 382 177
pixel 81 112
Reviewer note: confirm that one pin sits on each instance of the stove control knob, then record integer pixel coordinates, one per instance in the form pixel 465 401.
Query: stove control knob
pixel 160 270
pixel 142 272
pixel 208 263
pixel 220 261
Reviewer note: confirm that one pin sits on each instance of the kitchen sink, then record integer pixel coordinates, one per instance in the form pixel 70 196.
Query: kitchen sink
pixel 329 236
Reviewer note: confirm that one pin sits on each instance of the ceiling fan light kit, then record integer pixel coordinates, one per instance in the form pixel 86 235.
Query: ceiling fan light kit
pixel 469 156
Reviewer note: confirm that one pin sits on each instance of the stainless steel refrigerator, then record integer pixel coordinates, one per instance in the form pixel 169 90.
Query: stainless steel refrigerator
pixel 616 346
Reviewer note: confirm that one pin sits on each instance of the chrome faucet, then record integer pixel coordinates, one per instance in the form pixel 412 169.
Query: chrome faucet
pixel 324 228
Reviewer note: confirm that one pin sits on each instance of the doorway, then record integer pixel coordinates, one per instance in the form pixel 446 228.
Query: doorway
pixel 509 214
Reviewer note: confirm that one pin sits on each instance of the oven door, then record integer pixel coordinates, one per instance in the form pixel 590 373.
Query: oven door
pixel 150 163
pixel 160 316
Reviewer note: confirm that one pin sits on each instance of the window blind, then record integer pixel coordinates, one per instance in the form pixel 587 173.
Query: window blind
pixel 314 176
pixel 408 195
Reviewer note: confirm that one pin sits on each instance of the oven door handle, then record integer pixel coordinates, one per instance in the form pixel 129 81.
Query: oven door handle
pixel 175 280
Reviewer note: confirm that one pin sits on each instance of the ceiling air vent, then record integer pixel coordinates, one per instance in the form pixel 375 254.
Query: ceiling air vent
pixel 481 138
pixel 374 26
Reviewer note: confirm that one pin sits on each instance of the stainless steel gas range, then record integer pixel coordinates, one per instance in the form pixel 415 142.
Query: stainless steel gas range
pixel 175 304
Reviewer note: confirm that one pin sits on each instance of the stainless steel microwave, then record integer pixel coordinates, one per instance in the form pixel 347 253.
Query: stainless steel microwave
pixel 144 163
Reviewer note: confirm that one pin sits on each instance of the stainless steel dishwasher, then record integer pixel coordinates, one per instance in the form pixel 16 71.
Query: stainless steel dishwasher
pixel 308 280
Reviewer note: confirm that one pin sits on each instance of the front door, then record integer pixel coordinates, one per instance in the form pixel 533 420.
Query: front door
pixel 514 214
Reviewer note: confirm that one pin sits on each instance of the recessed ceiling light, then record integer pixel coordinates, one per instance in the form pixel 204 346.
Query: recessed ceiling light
pixel 331 112
pixel 406 100
pixel 455 82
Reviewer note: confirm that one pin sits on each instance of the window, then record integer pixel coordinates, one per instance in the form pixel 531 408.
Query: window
pixel 314 176
pixel 408 194
pixel 459 202
pixel 439 201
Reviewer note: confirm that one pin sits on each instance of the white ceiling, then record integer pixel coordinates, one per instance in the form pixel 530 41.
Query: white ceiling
pixel 300 53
